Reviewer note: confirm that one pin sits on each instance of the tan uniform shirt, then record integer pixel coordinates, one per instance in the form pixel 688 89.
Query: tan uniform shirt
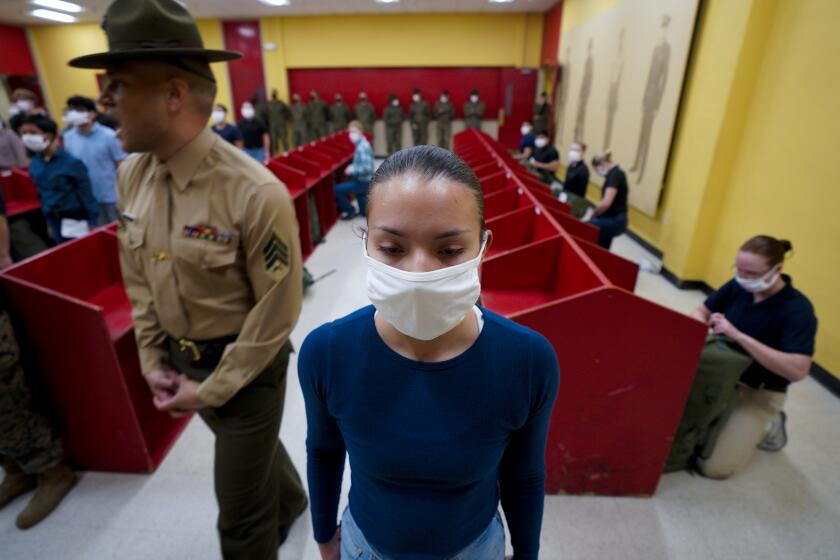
pixel 209 248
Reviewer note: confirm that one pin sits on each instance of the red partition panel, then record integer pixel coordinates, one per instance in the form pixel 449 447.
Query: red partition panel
pixel 75 321
pixel 626 363
pixel 620 271
pixel 575 227
pixel 626 368
pixel 494 182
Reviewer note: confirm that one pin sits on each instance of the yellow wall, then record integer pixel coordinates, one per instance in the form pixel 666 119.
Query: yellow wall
pixel 398 41
pixel 753 148
pixel 54 45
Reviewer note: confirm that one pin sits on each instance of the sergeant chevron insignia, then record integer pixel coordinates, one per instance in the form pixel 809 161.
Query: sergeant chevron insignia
pixel 276 257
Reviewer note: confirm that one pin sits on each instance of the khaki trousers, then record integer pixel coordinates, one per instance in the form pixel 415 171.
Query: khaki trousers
pixel 744 430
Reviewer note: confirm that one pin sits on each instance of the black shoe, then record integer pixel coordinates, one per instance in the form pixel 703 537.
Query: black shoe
pixel 283 530
pixel 347 217
pixel 776 438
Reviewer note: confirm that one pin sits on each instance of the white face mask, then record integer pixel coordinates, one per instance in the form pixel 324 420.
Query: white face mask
pixel 444 99
pixel 248 112
pixel 395 102
pixel 541 142
pixel 218 117
pixel 574 156
pixel 474 98
pixel 25 105
pixel 757 285
pixel 35 142
pixel 76 118
pixel 416 97
pixel 601 171
pixel 355 136
pixel 525 129
pixel 424 305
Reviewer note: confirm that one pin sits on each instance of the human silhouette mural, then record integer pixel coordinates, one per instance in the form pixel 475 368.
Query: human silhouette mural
pixel 654 91
pixel 585 91
pixel 615 86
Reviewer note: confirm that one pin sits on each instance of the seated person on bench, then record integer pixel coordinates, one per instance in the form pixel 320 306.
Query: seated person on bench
pixel 610 215
pixel 774 323
pixel 358 174
pixel 546 158
pixel 526 143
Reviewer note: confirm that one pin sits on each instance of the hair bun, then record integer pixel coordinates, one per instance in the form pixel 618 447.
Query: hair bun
pixel 787 246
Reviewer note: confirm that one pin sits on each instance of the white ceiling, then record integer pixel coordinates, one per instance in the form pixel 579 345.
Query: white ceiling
pixel 17 11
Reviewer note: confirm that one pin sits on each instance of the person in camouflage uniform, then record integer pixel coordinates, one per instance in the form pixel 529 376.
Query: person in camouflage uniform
pixel 340 114
pixel 300 121
pixel 542 112
pixel 365 113
pixel 318 116
pixel 393 117
pixel 419 115
pixel 278 116
pixel 30 452
pixel 444 113
pixel 473 111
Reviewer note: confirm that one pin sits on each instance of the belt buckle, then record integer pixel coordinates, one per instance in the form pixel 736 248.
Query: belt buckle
pixel 185 344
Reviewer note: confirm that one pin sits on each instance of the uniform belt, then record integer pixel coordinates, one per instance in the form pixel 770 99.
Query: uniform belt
pixel 198 354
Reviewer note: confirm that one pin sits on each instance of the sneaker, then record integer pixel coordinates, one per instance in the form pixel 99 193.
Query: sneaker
pixel 345 217
pixel 776 437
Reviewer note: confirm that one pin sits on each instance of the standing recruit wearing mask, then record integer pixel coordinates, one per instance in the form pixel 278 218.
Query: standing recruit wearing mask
pixel 371 378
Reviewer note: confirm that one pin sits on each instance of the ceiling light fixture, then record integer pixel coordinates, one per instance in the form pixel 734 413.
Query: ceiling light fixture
pixel 59 5
pixel 387 1
pixel 500 1
pixel 53 16
pixel 275 2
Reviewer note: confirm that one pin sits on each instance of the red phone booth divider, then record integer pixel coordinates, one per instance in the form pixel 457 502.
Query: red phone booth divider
pixel 626 363
pixel 75 321
pixel 19 192
pixel 295 181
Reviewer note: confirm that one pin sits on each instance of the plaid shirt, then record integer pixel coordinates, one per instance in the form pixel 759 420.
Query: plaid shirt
pixel 363 164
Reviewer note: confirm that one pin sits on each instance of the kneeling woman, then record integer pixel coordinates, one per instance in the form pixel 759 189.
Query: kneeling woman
pixel 775 324
pixel 442 406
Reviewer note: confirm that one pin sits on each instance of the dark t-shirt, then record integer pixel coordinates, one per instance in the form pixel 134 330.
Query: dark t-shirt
pixel 577 178
pixel 252 132
pixel 527 141
pixel 546 154
pixel 230 133
pixel 617 179
pixel 784 322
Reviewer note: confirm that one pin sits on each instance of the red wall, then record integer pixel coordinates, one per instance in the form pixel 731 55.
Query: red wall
pixel 551 35
pixel 246 74
pixel 15 58
pixel 380 82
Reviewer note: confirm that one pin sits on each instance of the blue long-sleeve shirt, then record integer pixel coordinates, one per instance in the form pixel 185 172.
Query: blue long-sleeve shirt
pixel 432 446
pixel 63 185
pixel 363 161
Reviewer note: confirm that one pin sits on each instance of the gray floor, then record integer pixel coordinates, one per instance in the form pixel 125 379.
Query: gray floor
pixel 786 506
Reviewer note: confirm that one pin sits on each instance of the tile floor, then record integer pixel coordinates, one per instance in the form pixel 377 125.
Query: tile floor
pixel 787 506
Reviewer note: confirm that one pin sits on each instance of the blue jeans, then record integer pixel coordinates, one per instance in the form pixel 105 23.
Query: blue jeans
pixel 490 545
pixel 356 188
pixel 256 153
pixel 609 227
